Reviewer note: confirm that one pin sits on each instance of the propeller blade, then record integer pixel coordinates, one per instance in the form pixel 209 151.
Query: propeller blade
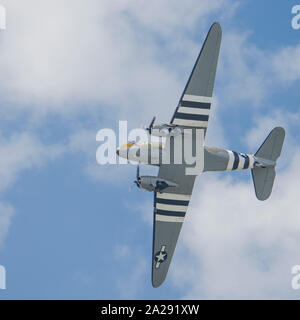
pixel 151 125
pixel 152 122
pixel 137 173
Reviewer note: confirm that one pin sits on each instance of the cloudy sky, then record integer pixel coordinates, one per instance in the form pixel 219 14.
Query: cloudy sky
pixel 70 228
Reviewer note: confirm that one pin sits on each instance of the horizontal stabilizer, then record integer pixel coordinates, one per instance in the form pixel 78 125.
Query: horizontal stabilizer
pixel 270 150
pixel 263 179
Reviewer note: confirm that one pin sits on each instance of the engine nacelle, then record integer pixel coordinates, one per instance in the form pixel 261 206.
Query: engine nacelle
pixel 151 183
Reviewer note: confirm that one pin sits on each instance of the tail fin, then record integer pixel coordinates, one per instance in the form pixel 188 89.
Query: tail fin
pixel 270 150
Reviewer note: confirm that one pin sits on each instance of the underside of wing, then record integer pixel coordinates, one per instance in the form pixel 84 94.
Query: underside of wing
pixel 193 110
pixel 170 208
pixel 194 106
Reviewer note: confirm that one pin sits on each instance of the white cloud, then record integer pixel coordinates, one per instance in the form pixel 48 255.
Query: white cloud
pixel 215 133
pixel 84 141
pixel 130 59
pixel 170 17
pixel 20 152
pixel 286 64
pixel 235 246
pixel 63 55
pixel 243 70
pixel 249 73
pixel 263 124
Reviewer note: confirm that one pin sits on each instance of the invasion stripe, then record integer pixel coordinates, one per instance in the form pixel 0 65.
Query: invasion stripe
pixel 236 160
pixel 170 207
pixel 193 110
pixel 246 164
pixel 251 160
pixel 173 202
pixel 230 160
pixel 173 196
pixel 193 104
pixel 159 217
pixel 190 123
pixel 241 162
pixel 170 213
pixel 190 97
pixel 188 116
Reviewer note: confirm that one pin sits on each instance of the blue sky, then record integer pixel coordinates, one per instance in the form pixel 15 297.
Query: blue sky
pixel 70 228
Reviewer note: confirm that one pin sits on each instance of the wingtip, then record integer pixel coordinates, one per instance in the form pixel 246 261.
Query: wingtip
pixel 157 281
pixel 216 26
pixel 156 284
pixel 280 129
pixel 216 23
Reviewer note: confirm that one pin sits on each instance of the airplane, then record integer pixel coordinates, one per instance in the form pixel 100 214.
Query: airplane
pixel 173 186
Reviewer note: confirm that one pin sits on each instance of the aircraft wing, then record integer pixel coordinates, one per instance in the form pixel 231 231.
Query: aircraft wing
pixel 169 211
pixel 194 105
pixel 193 110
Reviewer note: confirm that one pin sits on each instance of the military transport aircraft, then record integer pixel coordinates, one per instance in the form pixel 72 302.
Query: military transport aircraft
pixel 174 184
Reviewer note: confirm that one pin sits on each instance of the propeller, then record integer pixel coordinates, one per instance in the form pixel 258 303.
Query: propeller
pixel 138 178
pixel 151 125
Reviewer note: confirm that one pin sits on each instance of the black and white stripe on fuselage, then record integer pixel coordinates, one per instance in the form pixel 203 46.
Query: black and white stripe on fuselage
pixel 239 161
pixel 193 111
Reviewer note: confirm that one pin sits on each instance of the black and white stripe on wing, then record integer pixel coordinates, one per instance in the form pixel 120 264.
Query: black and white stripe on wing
pixel 171 207
pixel 193 111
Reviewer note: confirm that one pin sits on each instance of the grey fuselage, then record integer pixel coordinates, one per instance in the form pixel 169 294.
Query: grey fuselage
pixel 214 159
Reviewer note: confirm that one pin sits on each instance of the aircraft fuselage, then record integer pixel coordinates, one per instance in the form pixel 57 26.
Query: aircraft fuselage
pixel 215 159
